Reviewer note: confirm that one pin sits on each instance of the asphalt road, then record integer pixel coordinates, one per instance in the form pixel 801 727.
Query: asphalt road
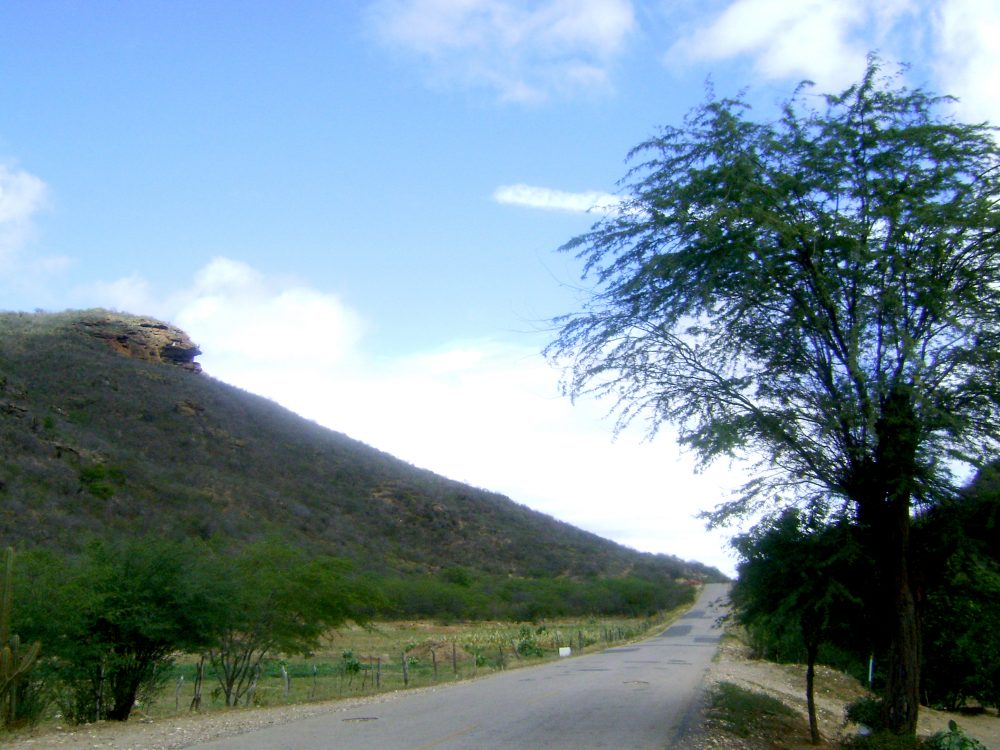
pixel 627 698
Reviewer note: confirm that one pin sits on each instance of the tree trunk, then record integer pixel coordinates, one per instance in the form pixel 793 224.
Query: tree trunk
pixel 902 698
pixel 885 486
pixel 198 681
pixel 898 627
pixel 812 651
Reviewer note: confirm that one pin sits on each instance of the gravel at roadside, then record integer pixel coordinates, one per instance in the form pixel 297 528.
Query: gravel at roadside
pixel 179 732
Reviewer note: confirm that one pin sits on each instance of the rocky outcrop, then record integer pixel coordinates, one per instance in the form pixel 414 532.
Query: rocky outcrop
pixel 143 338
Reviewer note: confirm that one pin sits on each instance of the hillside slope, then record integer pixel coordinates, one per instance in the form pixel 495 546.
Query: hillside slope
pixel 108 426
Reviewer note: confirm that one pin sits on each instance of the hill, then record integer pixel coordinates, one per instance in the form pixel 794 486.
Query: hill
pixel 108 426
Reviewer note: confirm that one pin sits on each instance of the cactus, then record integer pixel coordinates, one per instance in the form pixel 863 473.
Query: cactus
pixel 15 663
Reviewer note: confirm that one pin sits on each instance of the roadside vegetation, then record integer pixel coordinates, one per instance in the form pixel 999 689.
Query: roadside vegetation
pixel 357 660
pixel 745 713
pixel 158 626
pixel 170 526
pixel 804 591
pixel 757 704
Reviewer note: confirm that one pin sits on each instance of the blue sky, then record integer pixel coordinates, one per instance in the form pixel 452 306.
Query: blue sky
pixel 354 208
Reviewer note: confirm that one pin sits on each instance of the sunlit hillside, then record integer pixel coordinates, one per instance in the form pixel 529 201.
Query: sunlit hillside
pixel 108 427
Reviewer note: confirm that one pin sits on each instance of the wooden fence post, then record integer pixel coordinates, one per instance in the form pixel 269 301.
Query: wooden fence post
pixel 100 692
pixel 253 687
pixel 198 679
pixel 406 670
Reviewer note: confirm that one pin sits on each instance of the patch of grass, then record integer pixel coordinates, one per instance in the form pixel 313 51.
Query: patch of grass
pixel 743 712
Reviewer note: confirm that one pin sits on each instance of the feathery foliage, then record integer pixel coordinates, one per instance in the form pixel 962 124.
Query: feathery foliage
pixel 820 294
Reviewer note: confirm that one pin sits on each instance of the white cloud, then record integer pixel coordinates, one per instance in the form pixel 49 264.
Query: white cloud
pixel 24 272
pixel 814 39
pixel 827 41
pixel 225 275
pixel 22 196
pixel 246 323
pixel 486 412
pixel 598 27
pixel 530 196
pixel 51 264
pixel 489 413
pixel 522 51
pixel 967 34
pixel 241 317
pixel 127 294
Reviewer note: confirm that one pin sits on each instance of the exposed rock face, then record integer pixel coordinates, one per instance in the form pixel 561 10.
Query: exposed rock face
pixel 144 338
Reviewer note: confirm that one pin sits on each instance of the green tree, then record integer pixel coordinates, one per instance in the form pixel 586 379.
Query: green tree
pixel 113 619
pixel 958 542
pixel 271 598
pixel 820 293
pixel 799 576
pixel 16 661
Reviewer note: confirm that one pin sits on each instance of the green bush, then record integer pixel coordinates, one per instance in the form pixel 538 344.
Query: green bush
pixel 959 543
pixel 33 696
pixel 953 739
pixel 273 598
pixel 18 662
pixel 102 481
pixel 865 711
pixel 112 621
pixel 526 644
pixel 350 661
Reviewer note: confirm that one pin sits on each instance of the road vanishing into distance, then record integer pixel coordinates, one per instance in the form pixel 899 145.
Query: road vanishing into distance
pixel 631 697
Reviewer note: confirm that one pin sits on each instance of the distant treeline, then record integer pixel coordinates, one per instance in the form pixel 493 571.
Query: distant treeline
pixel 460 594
pixel 111 619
